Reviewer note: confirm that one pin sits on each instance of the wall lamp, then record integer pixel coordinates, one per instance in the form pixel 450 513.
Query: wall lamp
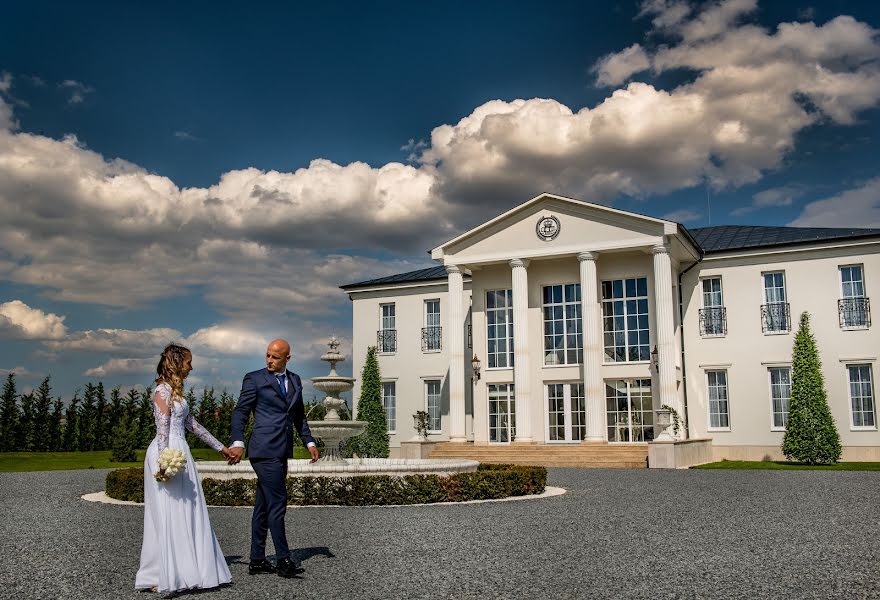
pixel 655 358
pixel 475 365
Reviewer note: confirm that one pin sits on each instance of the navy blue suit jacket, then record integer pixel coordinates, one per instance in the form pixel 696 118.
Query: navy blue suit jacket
pixel 275 415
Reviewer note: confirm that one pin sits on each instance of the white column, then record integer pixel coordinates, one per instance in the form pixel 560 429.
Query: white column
pixel 665 327
pixel 456 354
pixel 591 319
pixel 521 374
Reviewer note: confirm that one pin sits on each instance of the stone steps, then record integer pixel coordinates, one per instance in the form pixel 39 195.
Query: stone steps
pixel 607 456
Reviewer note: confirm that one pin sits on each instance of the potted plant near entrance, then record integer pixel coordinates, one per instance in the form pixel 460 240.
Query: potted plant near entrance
pixel 420 421
pixel 664 420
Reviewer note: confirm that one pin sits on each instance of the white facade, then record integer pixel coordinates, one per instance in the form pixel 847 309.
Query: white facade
pixel 575 314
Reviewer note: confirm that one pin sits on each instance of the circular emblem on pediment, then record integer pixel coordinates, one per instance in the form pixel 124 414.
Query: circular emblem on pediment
pixel 548 228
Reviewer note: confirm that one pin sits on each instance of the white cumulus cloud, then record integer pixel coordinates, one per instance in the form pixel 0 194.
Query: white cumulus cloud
pixel 857 207
pixel 20 321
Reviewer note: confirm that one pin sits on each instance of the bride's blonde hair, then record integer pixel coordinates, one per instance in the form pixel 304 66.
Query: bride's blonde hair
pixel 170 367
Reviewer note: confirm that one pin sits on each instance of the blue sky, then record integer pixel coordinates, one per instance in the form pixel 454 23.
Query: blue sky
pixel 212 172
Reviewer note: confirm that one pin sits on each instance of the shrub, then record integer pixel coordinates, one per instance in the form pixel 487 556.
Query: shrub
pixel 488 482
pixel 372 443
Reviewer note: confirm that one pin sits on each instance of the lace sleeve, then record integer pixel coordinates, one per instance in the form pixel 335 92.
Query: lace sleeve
pixel 202 433
pixel 162 414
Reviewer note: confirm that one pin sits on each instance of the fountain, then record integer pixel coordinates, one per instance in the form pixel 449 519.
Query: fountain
pixel 333 431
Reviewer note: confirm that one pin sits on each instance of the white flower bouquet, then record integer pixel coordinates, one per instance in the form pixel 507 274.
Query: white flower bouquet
pixel 172 461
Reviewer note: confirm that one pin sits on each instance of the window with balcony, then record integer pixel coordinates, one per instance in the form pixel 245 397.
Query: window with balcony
pixel 431 332
pixel 563 336
pixel 387 334
pixel 499 325
pixel 853 307
pixel 775 316
pixel 713 315
pixel 625 320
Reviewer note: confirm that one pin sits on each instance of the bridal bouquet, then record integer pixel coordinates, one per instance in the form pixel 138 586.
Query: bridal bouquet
pixel 172 460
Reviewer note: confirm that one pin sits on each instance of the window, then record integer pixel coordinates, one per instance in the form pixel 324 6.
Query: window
pixel 563 335
pixel 432 404
pixel 502 412
pixel 853 307
pixel 499 323
pixel 389 401
pixel 861 394
pixel 719 410
pixel 387 335
pixel 629 410
pixel 625 320
pixel 713 315
pixel 431 332
pixel 566 412
pixel 775 316
pixel 780 395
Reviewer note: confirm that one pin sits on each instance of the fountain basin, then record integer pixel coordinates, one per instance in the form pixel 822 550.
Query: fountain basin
pixel 218 469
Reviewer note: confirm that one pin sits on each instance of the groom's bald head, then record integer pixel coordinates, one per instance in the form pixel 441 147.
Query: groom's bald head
pixel 277 355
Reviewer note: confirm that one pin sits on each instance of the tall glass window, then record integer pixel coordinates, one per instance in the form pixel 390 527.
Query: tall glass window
pixel 780 395
pixel 566 412
pixel 713 316
pixel 502 412
pixel 629 409
pixel 625 320
pixel 861 393
pixel 387 338
pixel 719 409
pixel 563 334
pixel 431 334
pixel 432 404
pixel 774 313
pixel 389 401
pixel 499 324
pixel 853 305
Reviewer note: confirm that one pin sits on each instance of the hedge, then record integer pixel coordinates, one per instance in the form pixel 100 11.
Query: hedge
pixel 488 482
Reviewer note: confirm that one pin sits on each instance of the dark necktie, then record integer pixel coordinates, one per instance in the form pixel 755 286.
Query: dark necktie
pixel 281 383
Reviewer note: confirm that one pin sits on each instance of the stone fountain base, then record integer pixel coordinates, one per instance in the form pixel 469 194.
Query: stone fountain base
pixel 217 469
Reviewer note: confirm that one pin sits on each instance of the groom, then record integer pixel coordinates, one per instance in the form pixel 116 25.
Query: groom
pixel 274 396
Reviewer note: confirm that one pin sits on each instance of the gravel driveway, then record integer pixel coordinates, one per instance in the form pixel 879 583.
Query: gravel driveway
pixel 615 534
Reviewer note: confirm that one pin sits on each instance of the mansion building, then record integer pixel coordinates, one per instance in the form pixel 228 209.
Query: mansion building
pixel 562 323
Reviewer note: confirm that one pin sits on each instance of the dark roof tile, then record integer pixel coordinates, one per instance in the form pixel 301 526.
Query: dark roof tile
pixel 429 274
pixel 723 238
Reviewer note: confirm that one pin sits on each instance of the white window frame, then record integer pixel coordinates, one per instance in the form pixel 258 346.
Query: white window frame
pixel 439 396
pixel 568 414
pixel 626 330
pixel 382 323
pixel 773 425
pixel 575 323
pixel 391 422
pixel 427 324
pixel 705 306
pixel 873 389
pixel 766 301
pixel 509 324
pixel 709 426
pixel 843 296
pixel 511 406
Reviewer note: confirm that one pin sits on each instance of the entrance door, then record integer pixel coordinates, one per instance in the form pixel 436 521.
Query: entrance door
pixel 566 412
pixel 630 410
pixel 502 413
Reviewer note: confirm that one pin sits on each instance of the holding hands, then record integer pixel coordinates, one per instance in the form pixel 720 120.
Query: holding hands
pixel 233 455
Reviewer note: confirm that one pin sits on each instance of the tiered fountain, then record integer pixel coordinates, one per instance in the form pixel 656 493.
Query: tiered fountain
pixel 333 431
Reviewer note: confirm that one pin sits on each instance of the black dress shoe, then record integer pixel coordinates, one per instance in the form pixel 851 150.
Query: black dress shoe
pixel 260 566
pixel 287 568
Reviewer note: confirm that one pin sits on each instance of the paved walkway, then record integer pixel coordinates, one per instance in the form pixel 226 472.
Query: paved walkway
pixel 615 534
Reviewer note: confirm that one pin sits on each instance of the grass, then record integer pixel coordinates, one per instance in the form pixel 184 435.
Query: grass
pixel 789 466
pixel 11 462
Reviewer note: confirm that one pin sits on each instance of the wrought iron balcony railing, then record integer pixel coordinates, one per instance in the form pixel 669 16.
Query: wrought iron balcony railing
pixel 854 312
pixel 775 317
pixel 713 321
pixel 387 340
pixel 431 337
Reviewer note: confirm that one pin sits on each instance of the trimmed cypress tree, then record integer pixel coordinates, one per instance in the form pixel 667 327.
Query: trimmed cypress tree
pixel 372 443
pixel 811 435
pixel 8 414
pixel 42 417
pixel 70 442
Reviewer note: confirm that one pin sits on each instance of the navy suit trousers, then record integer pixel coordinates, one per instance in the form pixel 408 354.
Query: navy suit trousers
pixel 270 507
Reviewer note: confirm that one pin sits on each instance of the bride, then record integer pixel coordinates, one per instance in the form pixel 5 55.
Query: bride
pixel 179 551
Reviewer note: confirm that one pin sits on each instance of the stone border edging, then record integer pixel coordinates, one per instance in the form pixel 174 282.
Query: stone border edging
pixel 549 492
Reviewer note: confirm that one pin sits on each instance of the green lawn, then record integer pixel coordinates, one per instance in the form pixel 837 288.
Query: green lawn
pixel 782 465
pixel 57 461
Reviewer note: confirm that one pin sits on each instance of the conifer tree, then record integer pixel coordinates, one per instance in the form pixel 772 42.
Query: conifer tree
pixel 70 442
pixel 224 417
pixel 87 419
pixel 24 438
pixel 42 416
pixel 114 414
pixel 126 438
pixel 8 414
pixel 190 398
pixel 56 426
pixel 811 435
pixel 102 424
pixel 206 414
pixel 146 421
pixel 372 443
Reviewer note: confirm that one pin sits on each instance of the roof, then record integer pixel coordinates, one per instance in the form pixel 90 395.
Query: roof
pixel 422 275
pixel 723 238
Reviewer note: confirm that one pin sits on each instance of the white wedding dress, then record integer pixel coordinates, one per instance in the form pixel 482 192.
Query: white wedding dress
pixel 179 551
